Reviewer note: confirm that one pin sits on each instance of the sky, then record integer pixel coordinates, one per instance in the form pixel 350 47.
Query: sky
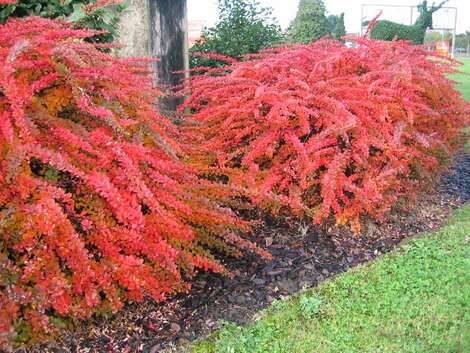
pixel 285 10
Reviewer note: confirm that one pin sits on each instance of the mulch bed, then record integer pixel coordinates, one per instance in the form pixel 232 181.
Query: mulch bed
pixel 304 255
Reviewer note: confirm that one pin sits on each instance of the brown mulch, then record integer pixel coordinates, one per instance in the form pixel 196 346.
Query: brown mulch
pixel 304 255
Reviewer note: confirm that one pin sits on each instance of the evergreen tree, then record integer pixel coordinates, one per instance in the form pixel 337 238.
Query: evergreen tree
pixel 335 25
pixel 461 41
pixel 339 30
pixel 310 24
pixel 331 21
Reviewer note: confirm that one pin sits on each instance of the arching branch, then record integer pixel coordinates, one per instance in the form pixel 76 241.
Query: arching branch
pixel 438 7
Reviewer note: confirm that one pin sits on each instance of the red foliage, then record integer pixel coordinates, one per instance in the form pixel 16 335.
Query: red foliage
pixel 95 205
pixel 325 128
pixel 89 7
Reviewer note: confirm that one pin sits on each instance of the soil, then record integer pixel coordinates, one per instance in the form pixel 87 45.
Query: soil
pixel 304 255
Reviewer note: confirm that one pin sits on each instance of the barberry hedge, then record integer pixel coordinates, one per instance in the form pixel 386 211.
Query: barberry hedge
pixel 324 129
pixel 96 207
pixel 100 15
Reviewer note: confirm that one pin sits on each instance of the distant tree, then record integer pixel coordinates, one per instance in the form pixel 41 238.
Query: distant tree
pixel 468 41
pixel 310 24
pixel 432 37
pixel 243 27
pixel 331 21
pixel 339 30
pixel 335 26
pixel 461 41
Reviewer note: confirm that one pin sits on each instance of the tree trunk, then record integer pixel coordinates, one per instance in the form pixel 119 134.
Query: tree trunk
pixel 158 29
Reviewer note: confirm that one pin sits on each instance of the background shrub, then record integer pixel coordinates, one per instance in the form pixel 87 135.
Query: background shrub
pixel 243 27
pixel 329 130
pixel 388 30
pixel 95 206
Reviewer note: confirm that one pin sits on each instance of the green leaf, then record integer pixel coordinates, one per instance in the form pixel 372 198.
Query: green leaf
pixel 78 13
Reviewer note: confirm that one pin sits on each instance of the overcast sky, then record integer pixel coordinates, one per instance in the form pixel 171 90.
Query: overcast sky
pixel 285 11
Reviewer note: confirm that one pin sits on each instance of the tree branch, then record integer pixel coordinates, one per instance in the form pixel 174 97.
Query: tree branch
pixel 435 8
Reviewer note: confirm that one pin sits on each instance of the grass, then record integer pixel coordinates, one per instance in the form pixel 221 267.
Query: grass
pixel 463 84
pixel 414 300
pixel 463 80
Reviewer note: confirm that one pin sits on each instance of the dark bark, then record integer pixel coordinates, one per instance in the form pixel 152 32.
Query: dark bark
pixel 168 42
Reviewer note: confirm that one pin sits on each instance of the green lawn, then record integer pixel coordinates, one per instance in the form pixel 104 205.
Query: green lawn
pixel 464 81
pixel 416 299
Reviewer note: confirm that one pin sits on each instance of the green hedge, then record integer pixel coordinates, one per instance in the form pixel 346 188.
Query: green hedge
pixel 388 30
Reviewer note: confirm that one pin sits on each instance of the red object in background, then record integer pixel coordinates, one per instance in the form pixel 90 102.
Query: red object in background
pixel 442 48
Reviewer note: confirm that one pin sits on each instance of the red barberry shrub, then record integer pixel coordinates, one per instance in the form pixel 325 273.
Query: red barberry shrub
pixel 326 129
pixel 95 205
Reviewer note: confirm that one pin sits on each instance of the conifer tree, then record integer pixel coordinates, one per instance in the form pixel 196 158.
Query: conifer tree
pixel 310 24
pixel 340 29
